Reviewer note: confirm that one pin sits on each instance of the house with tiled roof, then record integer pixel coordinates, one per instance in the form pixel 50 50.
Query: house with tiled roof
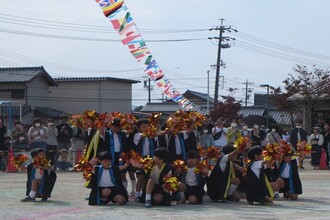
pixel 102 94
pixel 23 90
pixel 30 92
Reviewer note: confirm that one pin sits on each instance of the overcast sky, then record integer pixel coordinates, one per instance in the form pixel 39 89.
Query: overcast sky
pixel 73 38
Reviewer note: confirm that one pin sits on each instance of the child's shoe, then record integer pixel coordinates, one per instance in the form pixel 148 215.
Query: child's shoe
pixel 148 204
pixel 28 199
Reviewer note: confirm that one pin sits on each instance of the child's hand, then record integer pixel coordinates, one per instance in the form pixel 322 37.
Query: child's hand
pixel 94 161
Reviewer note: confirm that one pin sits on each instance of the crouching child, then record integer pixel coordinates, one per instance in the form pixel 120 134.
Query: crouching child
pixel 258 187
pixel 106 183
pixel 191 185
pixel 289 180
pixel 222 182
pixel 41 177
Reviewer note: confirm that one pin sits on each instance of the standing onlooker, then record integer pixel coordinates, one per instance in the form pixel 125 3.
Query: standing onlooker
pixel 326 140
pixel 64 134
pixel 233 132
pixel 51 150
pixel 3 131
pixel 37 135
pixel 18 128
pixel 219 134
pixel 206 139
pixel 316 140
pixel 245 132
pixel 273 137
pixel 257 135
pixel 298 134
pixel 208 123
pixel 20 143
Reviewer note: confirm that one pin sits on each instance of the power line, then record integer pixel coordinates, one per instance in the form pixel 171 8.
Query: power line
pixel 57 25
pixel 54 36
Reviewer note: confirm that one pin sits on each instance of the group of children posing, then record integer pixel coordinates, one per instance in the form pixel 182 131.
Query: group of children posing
pixel 228 179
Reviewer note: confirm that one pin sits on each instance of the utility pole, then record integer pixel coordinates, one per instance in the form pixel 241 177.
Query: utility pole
pixel 208 93
pixel 149 93
pixel 222 29
pixel 268 86
pixel 247 90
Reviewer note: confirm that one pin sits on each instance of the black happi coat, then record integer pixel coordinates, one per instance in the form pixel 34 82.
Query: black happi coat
pixel 256 188
pixel 191 142
pixel 172 148
pixel 294 179
pixel 47 183
pixel 102 145
pixel 152 146
pixel 95 195
pixel 217 183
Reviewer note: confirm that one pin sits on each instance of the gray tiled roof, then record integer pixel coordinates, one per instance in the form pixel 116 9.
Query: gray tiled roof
pixel 168 107
pixel 69 79
pixel 252 110
pixel 200 95
pixel 281 117
pixel 24 74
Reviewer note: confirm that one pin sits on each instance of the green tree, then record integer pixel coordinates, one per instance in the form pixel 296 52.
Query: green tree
pixel 304 86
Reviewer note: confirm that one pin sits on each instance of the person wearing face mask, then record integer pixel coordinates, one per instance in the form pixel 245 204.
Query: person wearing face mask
pixel 37 135
pixel 206 139
pixel 20 143
pixel 233 132
pixel 273 137
pixel 245 132
pixel 297 134
pixel 219 134
pixel 257 135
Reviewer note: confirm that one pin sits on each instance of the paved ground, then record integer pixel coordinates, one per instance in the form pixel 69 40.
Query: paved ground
pixel 68 202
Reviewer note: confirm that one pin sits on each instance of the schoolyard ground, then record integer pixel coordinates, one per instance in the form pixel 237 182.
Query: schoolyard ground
pixel 68 202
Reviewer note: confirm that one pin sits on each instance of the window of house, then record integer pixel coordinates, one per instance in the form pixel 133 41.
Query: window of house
pixel 18 94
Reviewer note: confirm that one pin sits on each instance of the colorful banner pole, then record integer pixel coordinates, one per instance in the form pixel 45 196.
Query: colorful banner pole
pixel 122 21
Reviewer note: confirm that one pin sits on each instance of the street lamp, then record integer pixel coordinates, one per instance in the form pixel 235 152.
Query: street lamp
pixel 267 85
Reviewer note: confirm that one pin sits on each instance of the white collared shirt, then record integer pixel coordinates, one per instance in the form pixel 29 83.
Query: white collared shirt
pixel 116 142
pixel 256 166
pixel 191 177
pixel 286 171
pixel 223 163
pixel 105 180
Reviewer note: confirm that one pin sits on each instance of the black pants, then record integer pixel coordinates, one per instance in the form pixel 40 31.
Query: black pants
pixel 316 155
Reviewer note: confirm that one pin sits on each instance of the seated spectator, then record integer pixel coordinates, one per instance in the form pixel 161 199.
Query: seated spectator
pixel 63 162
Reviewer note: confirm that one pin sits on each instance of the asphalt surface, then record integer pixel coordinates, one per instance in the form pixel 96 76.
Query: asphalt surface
pixel 68 202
